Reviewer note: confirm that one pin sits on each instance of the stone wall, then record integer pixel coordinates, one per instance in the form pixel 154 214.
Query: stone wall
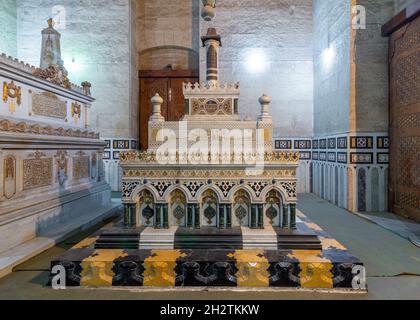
pixel 400 5
pixel 96 46
pixel 8 27
pixel 167 33
pixel 331 66
pixel 372 66
pixel 267 47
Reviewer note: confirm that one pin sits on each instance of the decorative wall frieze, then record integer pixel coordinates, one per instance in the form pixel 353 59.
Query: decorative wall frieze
pixel 136 157
pixel 340 149
pixel 41 129
pixel 213 87
pixel 197 173
pixel 223 188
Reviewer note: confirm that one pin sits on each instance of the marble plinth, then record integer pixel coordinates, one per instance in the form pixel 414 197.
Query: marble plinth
pixel 330 267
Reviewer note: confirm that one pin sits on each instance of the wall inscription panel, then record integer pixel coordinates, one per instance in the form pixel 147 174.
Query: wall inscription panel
pixel 37 173
pixel 80 168
pixel 48 105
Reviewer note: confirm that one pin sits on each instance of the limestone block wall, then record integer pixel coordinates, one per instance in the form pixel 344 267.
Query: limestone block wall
pixel 331 66
pixel 167 33
pixel 350 150
pixel 267 47
pixel 8 27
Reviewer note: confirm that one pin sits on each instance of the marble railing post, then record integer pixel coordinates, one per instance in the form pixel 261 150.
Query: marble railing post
pixel 157 102
pixel 293 216
pixel 285 223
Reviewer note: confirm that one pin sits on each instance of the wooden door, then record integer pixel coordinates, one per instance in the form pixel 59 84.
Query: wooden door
pixel 169 86
pixel 404 184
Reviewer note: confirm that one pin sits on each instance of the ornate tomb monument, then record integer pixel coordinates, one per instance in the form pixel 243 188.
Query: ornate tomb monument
pixel 51 173
pixel 210 204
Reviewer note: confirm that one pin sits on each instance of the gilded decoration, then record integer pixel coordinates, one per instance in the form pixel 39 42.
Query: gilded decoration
pixel 37 129
pixel 9 183
pixel 49 105
pixel 219 106
pixel 55 75
pixel 204 174
pixel 80 166
pixel 12 91
pixel 37 172
pixel 275 157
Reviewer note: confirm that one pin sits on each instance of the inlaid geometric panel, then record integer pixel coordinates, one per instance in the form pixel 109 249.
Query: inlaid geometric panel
pixel 404 86
pixel 407 80
pixel 408 161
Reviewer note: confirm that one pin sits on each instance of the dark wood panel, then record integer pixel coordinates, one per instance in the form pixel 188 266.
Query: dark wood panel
pixel 170 89
pixel 404 177
pixel 401 19
pixel 168 74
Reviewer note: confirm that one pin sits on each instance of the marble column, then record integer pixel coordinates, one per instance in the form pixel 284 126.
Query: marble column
pixel 212 42
pixel 254 213
pixel 260 214
pixel 190 216
pixel 130 216
pixel 197 216
pixel 229 216
pixel 222 216
pixel 158 216
pixel 293 217
pixel 285 224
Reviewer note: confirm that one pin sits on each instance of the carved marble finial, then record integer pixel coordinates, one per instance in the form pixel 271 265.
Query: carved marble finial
pixel 50 22
pixel 265 101
pixel 157 102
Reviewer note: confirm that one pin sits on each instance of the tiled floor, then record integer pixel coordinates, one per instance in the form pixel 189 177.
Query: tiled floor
pixel 393 265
